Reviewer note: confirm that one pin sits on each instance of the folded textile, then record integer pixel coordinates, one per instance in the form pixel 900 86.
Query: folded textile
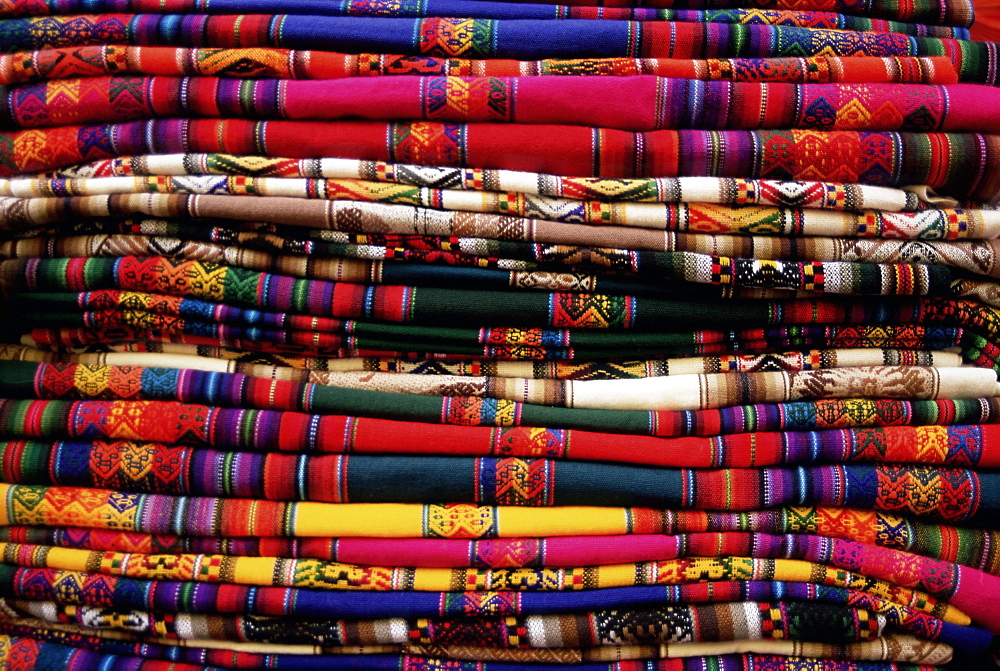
pixel 520 10
pixel 945 12
pixel 923 615
pixel 967 546
pixel 256 169
pixel 508 345
pixel 534 265
pixel 970 546
pixel 375 335
pixel 727 389
pixel 329 370
pixel 148 385
pixel 305 333
pixel 959 495
pixel 693 274
pixel 525 39
pixel 238 429
pixel 546 318
pixel 545 224
pixel 891 564
pixel 969 640
pixel 936 12
pixel 184 423
pixel 106 59
pixel 580 210
pixel 656 103
pixel 29 652
pixel 942 161
pixel 670 393
pixel 891 647
pixel 826 623
pixel 323 575
pixel 546 392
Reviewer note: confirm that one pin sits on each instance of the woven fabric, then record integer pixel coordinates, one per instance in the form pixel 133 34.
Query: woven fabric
pixel 834 277
pixel 534 262
pixel 19 652
pixel 684 392
pixel 897 648
pixel 260 655
pixel 892 647
pixel 322 575
pixel 942 161
pixel 323 372
pixel 948 494
pixel 83 588
pixel 92 61
pixel 316 574
pixel 488 38
pixel 677 623
pixel 656 103
pixel 964 545
pixel 585 207
pixel 894 566
pixel 194 425
pixel 547 318
pixel 446 8
pixel 109 422
pixel 933 12
pixel 451 334
pixel 546 224
pixel 977 349
pixel 726 191
pixel 134 383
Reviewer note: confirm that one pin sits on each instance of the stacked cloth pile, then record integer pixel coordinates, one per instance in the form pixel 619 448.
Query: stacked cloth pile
pixel 461 334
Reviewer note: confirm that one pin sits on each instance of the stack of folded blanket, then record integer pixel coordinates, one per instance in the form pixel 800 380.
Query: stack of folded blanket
pixel 438 335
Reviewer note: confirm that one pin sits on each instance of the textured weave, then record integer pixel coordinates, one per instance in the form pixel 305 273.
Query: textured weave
pixel 97 591
pixel 727 191
pixel 517 439
pixel 377 335
pixel 134 383
pixel 940 160
pixel 548 224
pixel 316 574
pixel 25 653
pixel 892 566
pixel 546 318
pixel 590 204
pixel 97 60
pixel 193 387
pixel 981 351
pixel 138 422
pixel 322 575
pixel 936 12
pixel 801 18
pixel 656 103
pixel 320 372
pixel 535 265
pixel 967 546
pixel 952 494
pixel 897 648
pixel 827 623
pixel 486 38
pixel 892 647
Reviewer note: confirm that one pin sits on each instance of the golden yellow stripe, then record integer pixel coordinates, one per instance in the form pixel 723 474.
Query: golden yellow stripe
pixel 320 574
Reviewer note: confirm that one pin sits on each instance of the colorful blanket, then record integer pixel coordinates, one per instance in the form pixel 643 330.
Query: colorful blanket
pixel 455 334
pixel 656 103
